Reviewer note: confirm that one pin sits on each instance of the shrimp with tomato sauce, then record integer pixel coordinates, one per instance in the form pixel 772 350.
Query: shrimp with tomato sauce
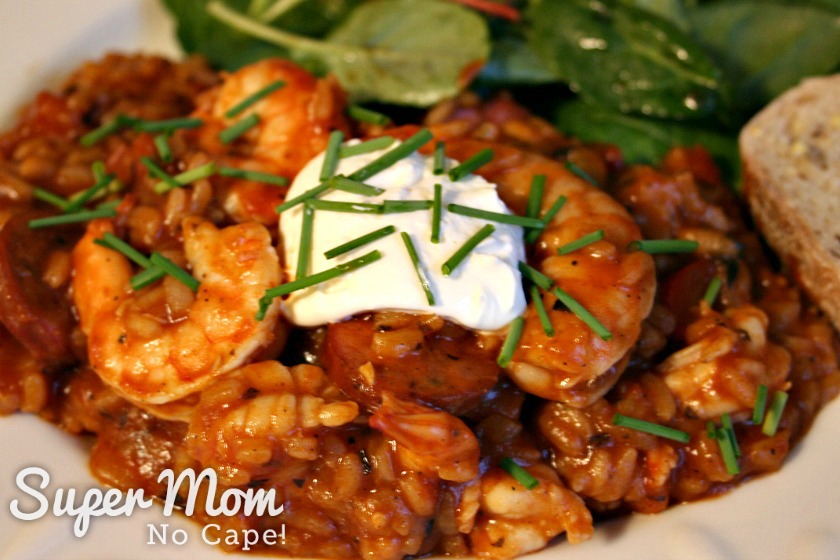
pixel 162 343
pixel 614 284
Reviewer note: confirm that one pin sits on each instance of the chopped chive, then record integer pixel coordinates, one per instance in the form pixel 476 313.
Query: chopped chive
pixel 161 142
pixel 535 276
pixel 760 404
pixel 582 313
pixel 175 271
pixel 305 242
pixel 146 277
pixel 711 429
pixel 155 170
pixel 499 217
pixel 774 414
pixel 363 114
pixel 74 218
pixel 392 156
pixel 98 170
pixel 342 183
pixel 471 164
pixel 581 242
pixel 360 241
pixel 659 246
pixel 439 162
pixel 50 198
pixel 330 163
pixel 313 279
pixel 458 257
pixel 651 428
pixel 79 201
pixel 342 206
pixel 519 474
pixel 546 218
pixel 436 212
pixel 113 242
pixel 366 147
pixel 110 205
pixel 577 170
pixel 401 206
pixel 727 451
pixel 115 125
pixel 256 176
pixel 239 128
pixel 545 321
pixel 311 193
pixel 726 422
pixel 187 177
pixel 253 98
pixel 535 195
pixel 712 291
pixel 511 341
pixel 418 268
pixel 166 125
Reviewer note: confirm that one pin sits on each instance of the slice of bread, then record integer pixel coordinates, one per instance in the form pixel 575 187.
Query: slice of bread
pixel 790 154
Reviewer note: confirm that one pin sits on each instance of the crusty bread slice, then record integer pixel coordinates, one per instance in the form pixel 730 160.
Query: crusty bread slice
pixel 790 154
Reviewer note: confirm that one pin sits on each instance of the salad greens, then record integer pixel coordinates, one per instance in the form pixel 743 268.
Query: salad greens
pixel 643 74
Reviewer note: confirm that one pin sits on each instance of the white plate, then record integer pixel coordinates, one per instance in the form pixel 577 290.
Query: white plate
pixel 794 514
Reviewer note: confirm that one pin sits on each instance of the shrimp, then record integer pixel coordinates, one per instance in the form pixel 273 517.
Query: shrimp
pixel 162 343
pixel 728 356
pixel 616 285
pixel 294 125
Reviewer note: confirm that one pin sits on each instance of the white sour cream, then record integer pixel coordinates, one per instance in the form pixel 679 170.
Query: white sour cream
pixel 483 293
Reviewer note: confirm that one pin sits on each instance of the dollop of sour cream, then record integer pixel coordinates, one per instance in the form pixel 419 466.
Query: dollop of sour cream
pixel 484 292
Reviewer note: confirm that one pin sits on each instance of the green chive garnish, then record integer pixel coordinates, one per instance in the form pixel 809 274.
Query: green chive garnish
pixel 418 268
pixel 74 218
pixel 536 298
pixel 774 415
pixel 342 183
pixel 727 451
pixel 576 169
pixel 481 158
pixel 330 163
pixel 531 236
pixel 582 313
pixel 760 405
pixel 305 242
pixel 436 212
pixel 511 341
pixel 726 422
pixel 113 242
pixel 363 114
pixel 458 257
pixel 660 246
pixel 342 206
pixel 711 429
pixel 155 170
pixel 402 206
pixel 256 176
pixel 535 196
pixel 581 242
pixel 146 277
pixel 118 123
pixel 499 217
pixel 651 428
pixel 519 474
pixel 392 156
pixel 50 198
pixel 239 128
pixel 175 271
pixel 366 147
pixel 253 98
pixel 360 241
pixel 313 279
pixel 535 276
pixel 79 201
pixel 167 125
pixel 161 142
pixel 311 193
pixel 439 162
pixel 712 291
pixel 187 177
